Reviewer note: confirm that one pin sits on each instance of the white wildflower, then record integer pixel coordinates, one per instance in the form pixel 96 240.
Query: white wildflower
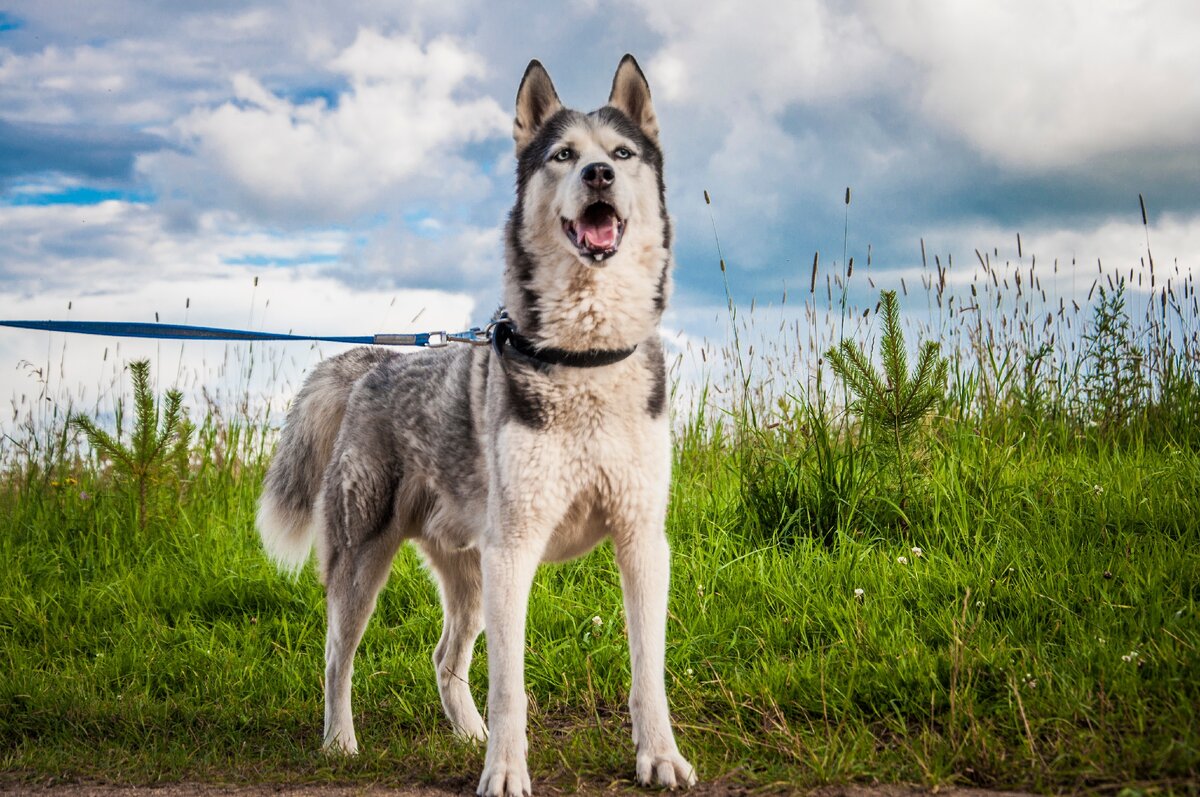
pixel 902 560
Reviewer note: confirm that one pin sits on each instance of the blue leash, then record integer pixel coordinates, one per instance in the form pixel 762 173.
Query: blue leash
pixel 435 340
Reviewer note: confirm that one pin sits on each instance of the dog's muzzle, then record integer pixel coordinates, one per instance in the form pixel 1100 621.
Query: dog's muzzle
pixel 597 232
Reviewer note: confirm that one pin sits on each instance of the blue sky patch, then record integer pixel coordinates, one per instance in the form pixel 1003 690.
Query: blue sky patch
pixel 75 195
pixel 306 94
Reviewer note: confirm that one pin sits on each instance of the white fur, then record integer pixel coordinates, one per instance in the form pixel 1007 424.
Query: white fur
pixel 286 538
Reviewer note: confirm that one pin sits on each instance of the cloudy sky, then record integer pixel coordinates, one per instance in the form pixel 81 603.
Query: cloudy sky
pixel 355 157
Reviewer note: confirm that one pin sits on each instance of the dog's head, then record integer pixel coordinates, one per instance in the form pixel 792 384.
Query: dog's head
pixel 595 178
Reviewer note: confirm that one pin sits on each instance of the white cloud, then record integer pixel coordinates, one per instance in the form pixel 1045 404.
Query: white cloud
pixel 400 125
pixel 1043 292
pixel 112 245
pixel 84 370
pixel 125 83
pixel 431 254
pixel 761 54
pixel 1037 84
pixel 1030 84
pixel 1116 246
pixel 126 62
pixel 754 148
pixel 122 261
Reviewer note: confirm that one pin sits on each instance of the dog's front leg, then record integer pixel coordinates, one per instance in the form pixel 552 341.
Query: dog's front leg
pixel 508 570
pixel 645 562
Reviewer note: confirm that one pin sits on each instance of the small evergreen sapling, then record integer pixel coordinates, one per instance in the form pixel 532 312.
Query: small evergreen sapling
pixel 891 403
pixel 159 440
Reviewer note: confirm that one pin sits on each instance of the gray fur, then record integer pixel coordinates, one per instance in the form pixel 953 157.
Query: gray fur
pixel 492 462
pixel 656 403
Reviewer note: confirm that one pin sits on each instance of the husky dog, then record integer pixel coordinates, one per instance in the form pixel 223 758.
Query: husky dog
pixel 495 459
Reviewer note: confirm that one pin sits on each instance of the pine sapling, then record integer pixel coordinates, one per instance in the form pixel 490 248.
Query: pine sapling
pixel 891 403
pixel 158 439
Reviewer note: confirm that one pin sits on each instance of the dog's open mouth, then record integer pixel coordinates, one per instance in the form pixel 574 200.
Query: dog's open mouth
pixel 597 232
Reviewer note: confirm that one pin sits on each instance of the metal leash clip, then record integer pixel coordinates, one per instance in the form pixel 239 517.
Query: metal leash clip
pixel 474 336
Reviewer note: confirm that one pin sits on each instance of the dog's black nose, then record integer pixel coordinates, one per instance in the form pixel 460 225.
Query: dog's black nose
pixel 598 175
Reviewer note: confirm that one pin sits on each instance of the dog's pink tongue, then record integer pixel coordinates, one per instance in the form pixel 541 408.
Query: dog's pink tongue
pixel 601 235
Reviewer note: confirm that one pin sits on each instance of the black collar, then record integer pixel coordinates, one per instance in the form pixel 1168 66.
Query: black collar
pixel 504 331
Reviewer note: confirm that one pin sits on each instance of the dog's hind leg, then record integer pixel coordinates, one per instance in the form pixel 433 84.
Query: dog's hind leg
pixel 357 553
pixel 460 582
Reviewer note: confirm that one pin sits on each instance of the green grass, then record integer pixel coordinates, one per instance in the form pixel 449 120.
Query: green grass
pixel 1000 656
pixel 1046 636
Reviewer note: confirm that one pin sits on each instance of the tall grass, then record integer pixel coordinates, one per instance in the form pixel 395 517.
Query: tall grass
pixel 1019 610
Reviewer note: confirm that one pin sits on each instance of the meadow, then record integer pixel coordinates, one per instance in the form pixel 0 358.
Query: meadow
pixel 1002 591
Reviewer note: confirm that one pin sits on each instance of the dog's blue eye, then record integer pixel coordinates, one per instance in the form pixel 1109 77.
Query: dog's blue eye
pixel 564 154
pixel 623 153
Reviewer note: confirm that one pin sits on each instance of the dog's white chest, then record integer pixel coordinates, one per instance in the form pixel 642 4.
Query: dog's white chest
pixel 595 477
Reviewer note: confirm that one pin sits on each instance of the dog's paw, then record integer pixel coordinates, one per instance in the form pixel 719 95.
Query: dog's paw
pixel 668 769
pixel 504 775
pixel 340 745
pixel 472 729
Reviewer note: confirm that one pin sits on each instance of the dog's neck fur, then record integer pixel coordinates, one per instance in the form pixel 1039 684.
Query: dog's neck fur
pixel 563 303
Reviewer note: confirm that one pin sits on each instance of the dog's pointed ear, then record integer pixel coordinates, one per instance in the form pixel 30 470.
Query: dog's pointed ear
pixel 631 95
pixel 537 101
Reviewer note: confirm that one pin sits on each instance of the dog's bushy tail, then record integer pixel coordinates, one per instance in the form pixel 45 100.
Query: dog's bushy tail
pixel 289 510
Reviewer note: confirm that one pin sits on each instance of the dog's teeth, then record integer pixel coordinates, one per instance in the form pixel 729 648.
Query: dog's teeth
pixel 599 256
